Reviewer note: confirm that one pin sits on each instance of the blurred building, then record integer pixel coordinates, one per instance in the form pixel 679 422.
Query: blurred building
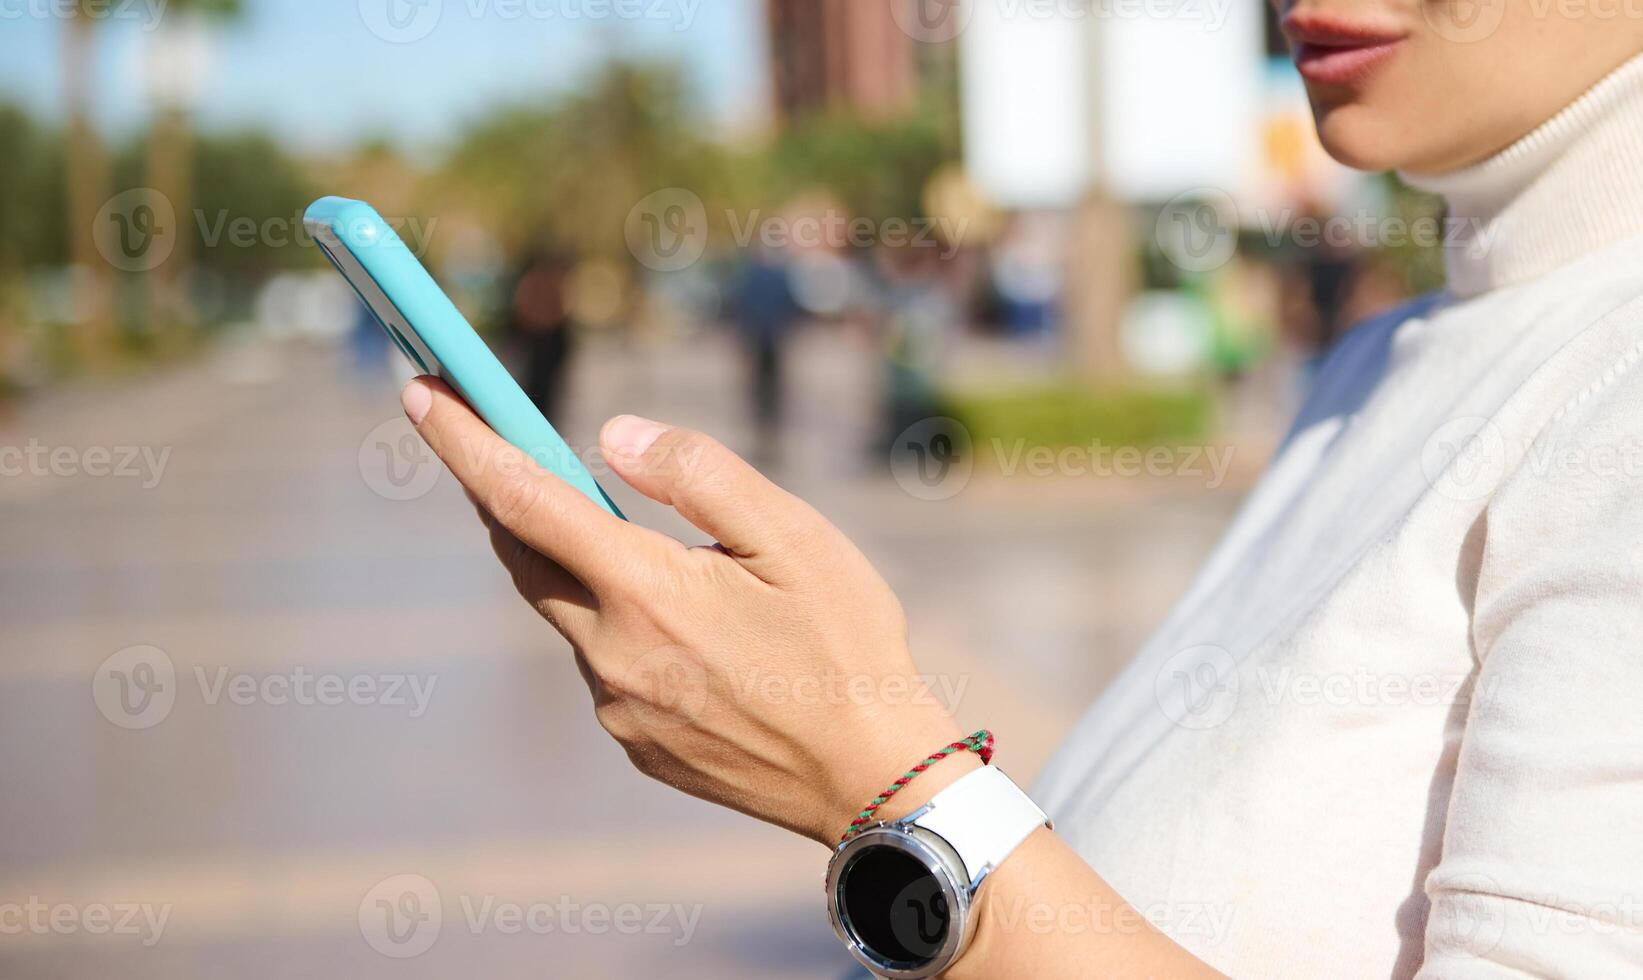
pixel 831 54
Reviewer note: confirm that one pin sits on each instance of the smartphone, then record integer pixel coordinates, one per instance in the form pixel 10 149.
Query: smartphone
pixel 434 335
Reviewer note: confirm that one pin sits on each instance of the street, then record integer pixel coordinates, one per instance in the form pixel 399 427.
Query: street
pixel 268 706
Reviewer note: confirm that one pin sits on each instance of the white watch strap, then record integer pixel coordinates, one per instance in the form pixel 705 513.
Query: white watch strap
pixel 984 816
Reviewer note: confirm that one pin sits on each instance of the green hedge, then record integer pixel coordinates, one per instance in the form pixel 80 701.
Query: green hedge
pixel 1073 415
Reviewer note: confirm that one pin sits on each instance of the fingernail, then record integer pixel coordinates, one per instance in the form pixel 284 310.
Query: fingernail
pixel 631 435
pixel 416 399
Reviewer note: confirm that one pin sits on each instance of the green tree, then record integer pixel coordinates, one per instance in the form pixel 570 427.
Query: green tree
pixel 878 168
pixel 573 167
pixel 171 151
pixel 33 220
pixel 87 173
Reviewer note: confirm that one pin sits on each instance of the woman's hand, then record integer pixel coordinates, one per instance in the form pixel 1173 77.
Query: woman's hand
pixel 769 674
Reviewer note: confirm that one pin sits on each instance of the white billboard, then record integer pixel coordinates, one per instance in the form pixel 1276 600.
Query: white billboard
pixel 1180 96
pixel 1026 90
pixel 1150 98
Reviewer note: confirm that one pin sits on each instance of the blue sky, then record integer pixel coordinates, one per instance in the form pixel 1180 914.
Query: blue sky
pixel 316 72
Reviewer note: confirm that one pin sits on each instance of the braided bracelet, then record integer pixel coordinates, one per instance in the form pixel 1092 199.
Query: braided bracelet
pixel 981 743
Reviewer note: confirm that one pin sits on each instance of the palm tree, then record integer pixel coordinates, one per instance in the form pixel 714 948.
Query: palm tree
pixel 87 179
pixel 177 63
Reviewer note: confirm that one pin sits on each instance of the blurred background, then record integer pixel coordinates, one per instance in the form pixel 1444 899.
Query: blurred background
pixel 1019 292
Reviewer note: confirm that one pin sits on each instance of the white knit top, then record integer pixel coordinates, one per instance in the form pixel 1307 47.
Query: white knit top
pixel 1395 727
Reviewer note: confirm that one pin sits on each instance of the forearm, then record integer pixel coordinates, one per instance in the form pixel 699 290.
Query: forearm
pixel 1045 913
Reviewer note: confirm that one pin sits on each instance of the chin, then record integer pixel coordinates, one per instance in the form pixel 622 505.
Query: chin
pixel 1356 138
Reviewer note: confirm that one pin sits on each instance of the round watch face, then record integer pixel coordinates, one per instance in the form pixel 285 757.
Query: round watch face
pixel 895 907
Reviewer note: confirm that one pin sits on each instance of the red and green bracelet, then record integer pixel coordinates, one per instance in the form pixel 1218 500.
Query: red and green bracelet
pixel 981 743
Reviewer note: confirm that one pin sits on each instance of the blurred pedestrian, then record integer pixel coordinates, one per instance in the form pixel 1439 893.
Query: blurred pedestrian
pixel 539 321
pixel 921 312
pixel 765 313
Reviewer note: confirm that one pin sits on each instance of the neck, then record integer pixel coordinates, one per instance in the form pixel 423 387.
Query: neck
pixel 1569 188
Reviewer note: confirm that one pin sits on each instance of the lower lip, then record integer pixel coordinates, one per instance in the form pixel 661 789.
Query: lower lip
pixel 1343 66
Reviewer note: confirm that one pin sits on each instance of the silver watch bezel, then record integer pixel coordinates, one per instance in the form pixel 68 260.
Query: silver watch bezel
pixel 942 861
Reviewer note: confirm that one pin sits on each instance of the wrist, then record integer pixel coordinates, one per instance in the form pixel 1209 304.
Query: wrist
pixel 902 893
pixel 932 781
pixel 866 766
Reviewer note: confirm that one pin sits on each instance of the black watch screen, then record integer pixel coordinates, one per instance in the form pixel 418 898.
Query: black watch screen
pixel 893 905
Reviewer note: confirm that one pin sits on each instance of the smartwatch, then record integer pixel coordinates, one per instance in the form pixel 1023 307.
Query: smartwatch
pixel 900 893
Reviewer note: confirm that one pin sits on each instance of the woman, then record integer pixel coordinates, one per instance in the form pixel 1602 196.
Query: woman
pixel 1392 729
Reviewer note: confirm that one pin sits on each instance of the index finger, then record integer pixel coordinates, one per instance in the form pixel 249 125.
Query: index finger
pixel 543 511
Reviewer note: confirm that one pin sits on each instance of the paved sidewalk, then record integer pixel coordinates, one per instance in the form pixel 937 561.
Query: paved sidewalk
pixel 242 558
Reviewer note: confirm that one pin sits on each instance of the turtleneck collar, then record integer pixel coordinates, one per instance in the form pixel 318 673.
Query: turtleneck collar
pixel 1570 187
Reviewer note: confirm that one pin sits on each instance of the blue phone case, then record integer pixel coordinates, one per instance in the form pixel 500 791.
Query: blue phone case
pixel 428 328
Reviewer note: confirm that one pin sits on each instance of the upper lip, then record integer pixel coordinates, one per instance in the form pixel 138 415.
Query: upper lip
pixel 1333 31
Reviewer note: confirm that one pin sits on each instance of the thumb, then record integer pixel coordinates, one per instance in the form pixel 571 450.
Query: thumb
pixel 711 487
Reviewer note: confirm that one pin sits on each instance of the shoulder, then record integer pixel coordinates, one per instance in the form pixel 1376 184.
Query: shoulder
pixel 1354 366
